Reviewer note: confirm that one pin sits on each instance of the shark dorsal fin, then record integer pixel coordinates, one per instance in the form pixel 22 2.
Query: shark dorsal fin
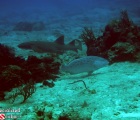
pixel 72 43
pixel 60 40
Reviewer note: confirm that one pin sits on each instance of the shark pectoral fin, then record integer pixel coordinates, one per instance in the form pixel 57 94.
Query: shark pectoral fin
pixel 60 40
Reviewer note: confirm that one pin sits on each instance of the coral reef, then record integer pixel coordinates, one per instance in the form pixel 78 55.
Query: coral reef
pixel 15 71
pixel 125 50
pixel 6 55
pixel 41 69
pixel 12 76
pixel 120 39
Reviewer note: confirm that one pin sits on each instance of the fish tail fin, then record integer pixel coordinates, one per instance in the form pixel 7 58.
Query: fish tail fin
pixel 62 68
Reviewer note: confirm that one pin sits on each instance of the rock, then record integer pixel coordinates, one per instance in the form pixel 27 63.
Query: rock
pixel 29 26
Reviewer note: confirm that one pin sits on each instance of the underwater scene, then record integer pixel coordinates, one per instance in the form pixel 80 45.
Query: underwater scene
pixel 69 60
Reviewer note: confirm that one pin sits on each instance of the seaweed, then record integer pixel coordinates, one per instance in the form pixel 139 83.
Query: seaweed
pixel 125 21
pixel 87 36
pixel 26 90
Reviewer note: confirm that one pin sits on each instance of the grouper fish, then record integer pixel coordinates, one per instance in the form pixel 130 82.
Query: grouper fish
pixel 84 64
pixel 57 46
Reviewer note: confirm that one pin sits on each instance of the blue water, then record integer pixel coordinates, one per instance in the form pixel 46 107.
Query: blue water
pixel 65 16
pixel 32 9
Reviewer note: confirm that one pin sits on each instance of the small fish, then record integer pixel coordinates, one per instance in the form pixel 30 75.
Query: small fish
pixel 84 64
pixel 57 46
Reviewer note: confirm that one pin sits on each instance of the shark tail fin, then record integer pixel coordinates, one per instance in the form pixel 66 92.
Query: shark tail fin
pixel 76 43
pixel 62 68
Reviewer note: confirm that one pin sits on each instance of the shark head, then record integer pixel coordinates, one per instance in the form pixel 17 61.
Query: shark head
pixel 26 45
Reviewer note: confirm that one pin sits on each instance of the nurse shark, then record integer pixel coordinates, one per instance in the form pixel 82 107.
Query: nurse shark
pixel 57 46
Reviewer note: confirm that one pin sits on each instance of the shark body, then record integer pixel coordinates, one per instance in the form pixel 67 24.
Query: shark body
pixel 57 46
